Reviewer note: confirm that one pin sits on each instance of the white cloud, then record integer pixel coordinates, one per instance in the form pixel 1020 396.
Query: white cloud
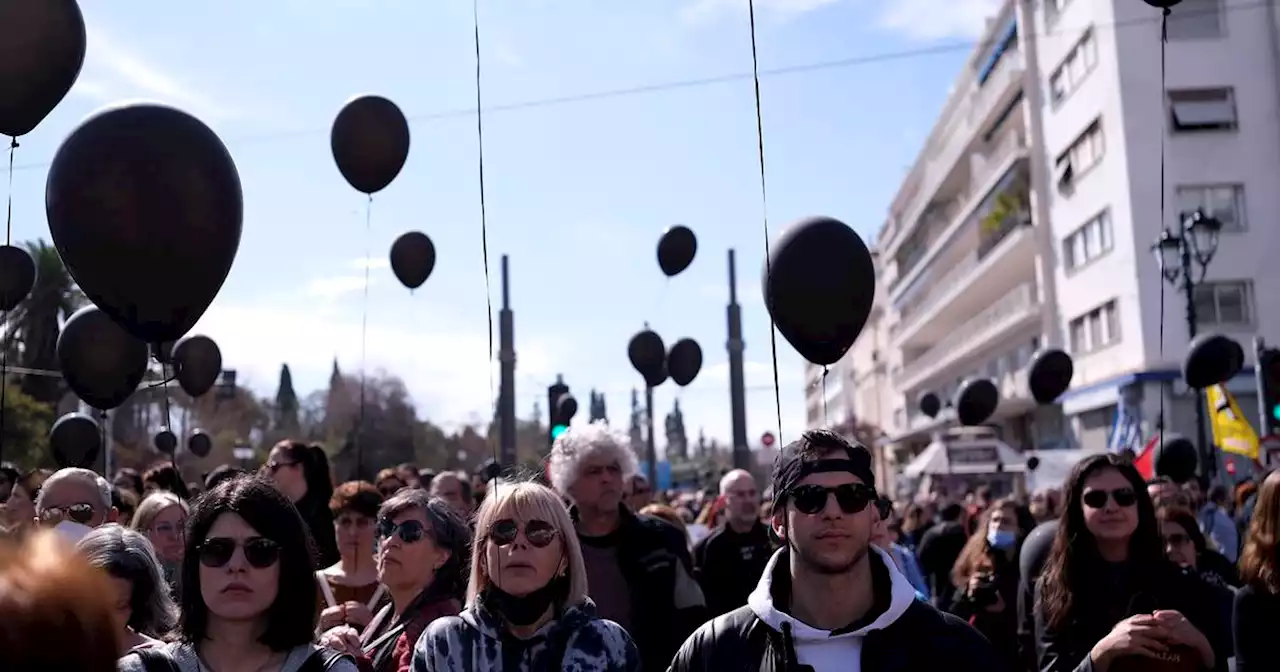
pixel 936 20
pixel 337 286
pixel 374 263
pixel 113 71
pixel 700 11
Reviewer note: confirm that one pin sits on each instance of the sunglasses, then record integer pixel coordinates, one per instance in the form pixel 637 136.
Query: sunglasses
pixel 1177 539
pixel 274 466
pixel 883 506
pixel 504 532
pixel 852 497
pixel 1097 499
pixel 80 513
pixel 259 552
pixel 410 531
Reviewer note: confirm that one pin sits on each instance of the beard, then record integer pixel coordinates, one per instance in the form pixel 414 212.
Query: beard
pixel 819 565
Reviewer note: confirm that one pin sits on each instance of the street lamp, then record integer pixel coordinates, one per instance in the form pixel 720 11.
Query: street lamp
pixel 1184 256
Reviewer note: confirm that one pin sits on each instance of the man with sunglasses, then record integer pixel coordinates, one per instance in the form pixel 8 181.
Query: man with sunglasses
pixel 75 495
pixel 829 600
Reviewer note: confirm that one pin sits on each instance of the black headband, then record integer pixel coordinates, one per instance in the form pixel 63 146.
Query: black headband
pixel 796 470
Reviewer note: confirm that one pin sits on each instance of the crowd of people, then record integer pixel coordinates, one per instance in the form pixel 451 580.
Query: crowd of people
pixel 587 568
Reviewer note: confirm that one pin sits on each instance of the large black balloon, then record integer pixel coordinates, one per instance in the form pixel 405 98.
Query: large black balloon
pixel 145 208
pixel 1212 359
pixel 199 444
pixel 75 440
pixel 930 405
pixel 370 142
pixel 1050 375
pixel 819 284
pixel 42 45
pixel 101 362
pixel 197 363
pixel 684 361
pixel 165 441
pixel 676 249
pixel 17 276
pixel 1176 458
pixel 648 354
pixel 413 257
pixel 976 400
pixel 1163 4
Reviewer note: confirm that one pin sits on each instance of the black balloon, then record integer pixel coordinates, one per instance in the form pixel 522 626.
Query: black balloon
pixel 676 249
pixel 648 354
pixel 1050 375
pixel 976 400
pixel 75 441
pixel 17 276
pixel 1033 463
pixel 930 405
pixel 145 208
pixel 1212 359
pixel 566 407
pixel 819 284
pixel 42 45
pixel 197 363
pixel 684 361
pixel 101 362
pixel 1176 458
pixel 370 142
pixel 165 441
pixel 1163 4
pixel 413 257
pixel 199 444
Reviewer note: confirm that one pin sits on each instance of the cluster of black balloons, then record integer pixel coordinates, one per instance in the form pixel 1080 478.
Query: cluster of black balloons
pixel 370 143
pixel 652 360
pixel 976 399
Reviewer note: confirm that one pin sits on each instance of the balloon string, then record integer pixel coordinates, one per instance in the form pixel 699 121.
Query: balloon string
pixel 102 442
pixel 825 371
pixel 168 418
pixel 484 219
pixel 1164 45
pixel 764 209
pixel 364 337
pixel 662 295
pixel 4 343
pixel 8 225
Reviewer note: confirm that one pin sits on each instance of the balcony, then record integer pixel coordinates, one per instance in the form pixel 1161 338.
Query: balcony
pixel 1014 310
pixel 1008 371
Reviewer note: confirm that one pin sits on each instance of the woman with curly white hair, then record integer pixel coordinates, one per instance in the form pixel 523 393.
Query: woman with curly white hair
pixel 527 606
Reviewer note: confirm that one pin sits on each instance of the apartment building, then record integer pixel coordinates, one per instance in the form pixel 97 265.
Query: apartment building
pixel 1028 219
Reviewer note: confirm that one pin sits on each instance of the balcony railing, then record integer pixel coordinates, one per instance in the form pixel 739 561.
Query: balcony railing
pixel 1008 371
pixel 1019 300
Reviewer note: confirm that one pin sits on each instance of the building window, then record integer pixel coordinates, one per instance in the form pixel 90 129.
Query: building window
pixel 1080 61
pixel 1089 242
pixel 1053 9
pixel 1202 110
pixel 1095 329
pixel 1222 202
pixel 1224 304
pixel 1083 154
pixel 1197 20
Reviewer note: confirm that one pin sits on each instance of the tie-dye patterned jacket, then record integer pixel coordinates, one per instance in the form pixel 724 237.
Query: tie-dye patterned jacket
pixel 475 641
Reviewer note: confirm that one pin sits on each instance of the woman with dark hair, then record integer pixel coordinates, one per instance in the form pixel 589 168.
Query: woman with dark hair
pixel 164 477
pixel 249 601
pixel 145 613
pixel 422 560
pixel 301 472
pixel 985 578
pixel 18 512
pixel 1186 546
pixel 1108 592
pixel 1257 607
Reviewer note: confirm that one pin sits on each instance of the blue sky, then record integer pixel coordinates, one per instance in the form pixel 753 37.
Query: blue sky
pixel 577 192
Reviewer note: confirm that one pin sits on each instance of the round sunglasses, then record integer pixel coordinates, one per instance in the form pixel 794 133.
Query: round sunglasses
pixel 852 497
pixel 1097 499
pixel 504 532
pixel 410 531
pixel 259 552
pixel 80 513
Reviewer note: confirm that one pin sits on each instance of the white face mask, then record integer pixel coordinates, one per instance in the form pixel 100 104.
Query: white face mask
pixel 72 531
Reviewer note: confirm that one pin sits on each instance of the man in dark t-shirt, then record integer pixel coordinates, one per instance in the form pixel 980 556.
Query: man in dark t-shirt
pixel 729 561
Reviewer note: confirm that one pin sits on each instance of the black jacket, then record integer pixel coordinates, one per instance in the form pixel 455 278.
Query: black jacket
pixel 938 550
pixel 728 565
pixel 919 638
pixel 650 553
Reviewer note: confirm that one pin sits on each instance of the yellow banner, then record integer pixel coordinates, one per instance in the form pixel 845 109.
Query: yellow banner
pixel 1231 431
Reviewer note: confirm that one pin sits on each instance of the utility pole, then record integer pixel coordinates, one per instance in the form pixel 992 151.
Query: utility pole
pixel 651 453
pixel 507 360
pixel 737 383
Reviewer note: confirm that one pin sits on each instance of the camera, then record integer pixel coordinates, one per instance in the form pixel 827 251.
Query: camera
pixel 985 593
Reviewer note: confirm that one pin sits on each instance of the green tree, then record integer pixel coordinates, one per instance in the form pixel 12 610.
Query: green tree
pixel 286 410
pixel 37 321
pixel 25 439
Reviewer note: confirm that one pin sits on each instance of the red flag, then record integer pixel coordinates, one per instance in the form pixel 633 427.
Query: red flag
pixel 1145 461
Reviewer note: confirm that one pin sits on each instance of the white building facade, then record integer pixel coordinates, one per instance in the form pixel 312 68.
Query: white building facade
pixel 1028 219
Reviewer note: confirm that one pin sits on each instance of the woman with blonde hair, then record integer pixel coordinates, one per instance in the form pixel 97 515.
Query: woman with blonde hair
pixel 162 517
pixel 527 605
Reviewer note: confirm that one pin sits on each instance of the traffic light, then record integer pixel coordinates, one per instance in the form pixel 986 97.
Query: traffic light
pixel 1269 374
pixel 561 407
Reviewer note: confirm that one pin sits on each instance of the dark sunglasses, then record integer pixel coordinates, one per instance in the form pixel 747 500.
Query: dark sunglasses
pixel 1097 499
pixel 504 532
pixel 1177 539
pixel 852 497
pixel 274 466
pixel 410 531
pixel 884 507
pixel 259 552
pixel 80 513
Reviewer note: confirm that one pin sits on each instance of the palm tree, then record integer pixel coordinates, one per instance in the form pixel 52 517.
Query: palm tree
pixel 37 321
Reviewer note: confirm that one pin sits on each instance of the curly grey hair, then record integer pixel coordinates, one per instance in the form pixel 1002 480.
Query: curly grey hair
pixel 577 444
pixel 128 554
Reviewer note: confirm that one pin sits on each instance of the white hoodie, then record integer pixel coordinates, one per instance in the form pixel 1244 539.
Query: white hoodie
pixel 820 649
